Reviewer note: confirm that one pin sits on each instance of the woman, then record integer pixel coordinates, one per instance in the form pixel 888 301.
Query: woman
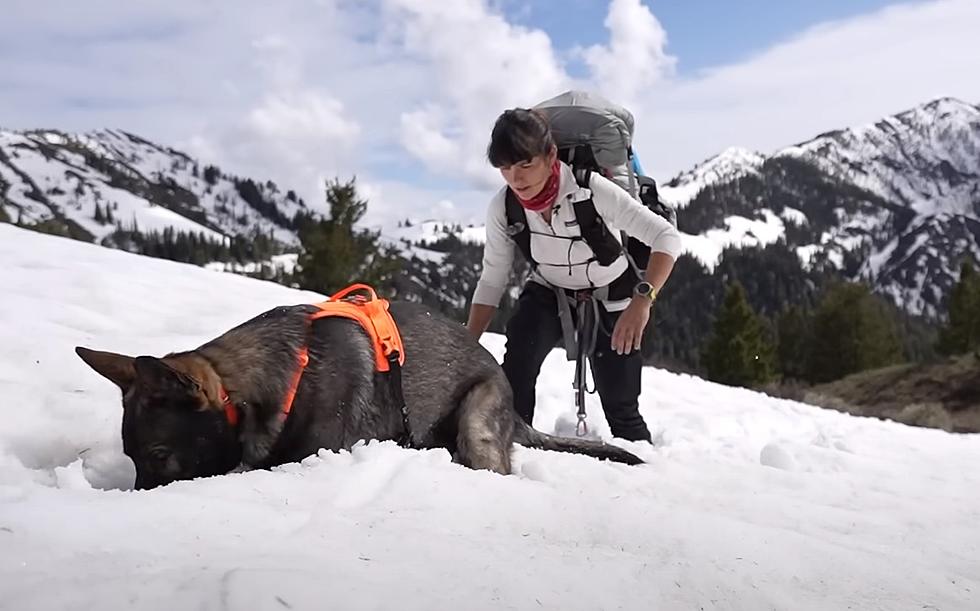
pixel 523 149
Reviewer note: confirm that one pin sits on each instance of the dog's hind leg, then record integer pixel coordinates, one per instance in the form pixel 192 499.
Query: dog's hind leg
pixel 485 428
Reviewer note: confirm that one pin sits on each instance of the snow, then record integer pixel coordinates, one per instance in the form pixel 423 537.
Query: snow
pixel 286 263
pixel 731 163
pixel 806 253
pixel 83 186
pixel 407 237
pixel 79 196
pixel 793 215
pixel 424 254
pixel 432 230
pixel 902 157
pixel 739 231
pixel 747 502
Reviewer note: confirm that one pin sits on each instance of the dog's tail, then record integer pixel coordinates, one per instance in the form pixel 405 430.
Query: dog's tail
pixel 532 438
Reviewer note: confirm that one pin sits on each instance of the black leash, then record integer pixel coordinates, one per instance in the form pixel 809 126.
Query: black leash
pixel 580 342
pixel 395 383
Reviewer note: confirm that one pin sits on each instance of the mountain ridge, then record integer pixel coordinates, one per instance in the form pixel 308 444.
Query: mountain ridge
pixel 894 202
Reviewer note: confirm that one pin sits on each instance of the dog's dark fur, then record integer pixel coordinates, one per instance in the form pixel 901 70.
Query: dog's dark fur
pixel 458 398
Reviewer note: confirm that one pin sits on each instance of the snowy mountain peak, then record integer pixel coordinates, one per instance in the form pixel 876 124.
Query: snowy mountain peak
pixel 731 163
pixel 926 158
pixel 895 202
pixel 944 108
pixel 94 184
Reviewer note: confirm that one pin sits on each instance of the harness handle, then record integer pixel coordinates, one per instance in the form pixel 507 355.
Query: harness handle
pixel 350 289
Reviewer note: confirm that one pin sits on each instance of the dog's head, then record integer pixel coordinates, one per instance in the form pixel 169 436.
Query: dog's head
pixel 173 427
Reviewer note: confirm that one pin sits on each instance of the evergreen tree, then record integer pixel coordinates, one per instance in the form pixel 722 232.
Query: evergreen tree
pixel 739 353
pixel 336 254
pixel 794 337
pixel 961 333
pixel 4 217
pixel 853 331
pixel 211 175
pixel 99 216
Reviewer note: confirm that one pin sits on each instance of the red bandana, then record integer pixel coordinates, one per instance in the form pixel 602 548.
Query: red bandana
pixel 547 195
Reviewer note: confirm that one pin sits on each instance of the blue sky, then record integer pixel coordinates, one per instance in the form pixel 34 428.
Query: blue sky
pixel 701 33
pixel 402 93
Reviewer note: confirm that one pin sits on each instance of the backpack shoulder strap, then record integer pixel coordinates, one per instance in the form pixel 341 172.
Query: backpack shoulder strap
pixel 583 176
pixel 517 227
pixel 594 230
pixel 585 213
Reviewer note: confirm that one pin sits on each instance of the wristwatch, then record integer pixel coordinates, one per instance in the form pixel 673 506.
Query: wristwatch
pixel 645 289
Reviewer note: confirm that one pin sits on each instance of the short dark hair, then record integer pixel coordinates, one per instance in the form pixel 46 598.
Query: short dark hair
pixel 519 135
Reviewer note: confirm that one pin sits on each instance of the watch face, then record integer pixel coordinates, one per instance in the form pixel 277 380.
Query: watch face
pixel 644 288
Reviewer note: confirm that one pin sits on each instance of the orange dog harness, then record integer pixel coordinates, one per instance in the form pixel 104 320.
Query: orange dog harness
pixel 373 315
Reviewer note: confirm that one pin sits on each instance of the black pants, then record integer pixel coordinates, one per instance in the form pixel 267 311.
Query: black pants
pixel 534 330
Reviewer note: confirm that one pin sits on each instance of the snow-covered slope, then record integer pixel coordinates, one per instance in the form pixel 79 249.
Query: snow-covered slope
pixel 896 202
pixel 747 502
pixel 46 175
pixel 927 158
pixel 732 163
pixel 417 238
pixel 927 161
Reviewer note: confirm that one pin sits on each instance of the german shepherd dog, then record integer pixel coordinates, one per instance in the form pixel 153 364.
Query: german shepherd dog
pixel 176 423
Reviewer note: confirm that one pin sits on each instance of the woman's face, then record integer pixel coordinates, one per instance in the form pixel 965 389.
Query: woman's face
pixel 527 178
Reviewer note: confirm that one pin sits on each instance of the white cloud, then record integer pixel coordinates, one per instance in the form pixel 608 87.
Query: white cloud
pixel 293 117
pixel 635 59
pixel 302 138
pixel 480 65
pixel 422 135
pixel 303 91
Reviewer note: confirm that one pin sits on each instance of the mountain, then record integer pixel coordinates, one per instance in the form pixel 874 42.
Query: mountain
pixel 895 203
pixel 95 185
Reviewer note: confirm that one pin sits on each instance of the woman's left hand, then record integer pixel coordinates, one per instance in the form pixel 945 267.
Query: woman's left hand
pixel 629 328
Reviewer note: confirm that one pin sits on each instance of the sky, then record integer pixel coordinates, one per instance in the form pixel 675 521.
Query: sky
pixel 402 94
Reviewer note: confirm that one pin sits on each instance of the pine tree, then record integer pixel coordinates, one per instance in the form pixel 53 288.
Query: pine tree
pixel 961 333
pixel 336 254
pixel 99 216
pixel 739 353
pixel 211 175
pixel 794 337
pixel 852 331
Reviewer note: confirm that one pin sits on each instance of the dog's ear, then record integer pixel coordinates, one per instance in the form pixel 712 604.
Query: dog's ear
pixel 157 374
pixel 118 368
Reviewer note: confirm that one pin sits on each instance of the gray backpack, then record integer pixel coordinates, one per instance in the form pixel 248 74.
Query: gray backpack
pixel 594 135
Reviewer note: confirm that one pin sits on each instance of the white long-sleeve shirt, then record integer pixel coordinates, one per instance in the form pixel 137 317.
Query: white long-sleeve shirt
pixel 562 262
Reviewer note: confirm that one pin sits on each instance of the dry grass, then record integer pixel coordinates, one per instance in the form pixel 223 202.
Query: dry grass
pixel 943 395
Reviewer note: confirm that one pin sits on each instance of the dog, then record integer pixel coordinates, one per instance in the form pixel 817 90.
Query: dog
pixel 219 408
